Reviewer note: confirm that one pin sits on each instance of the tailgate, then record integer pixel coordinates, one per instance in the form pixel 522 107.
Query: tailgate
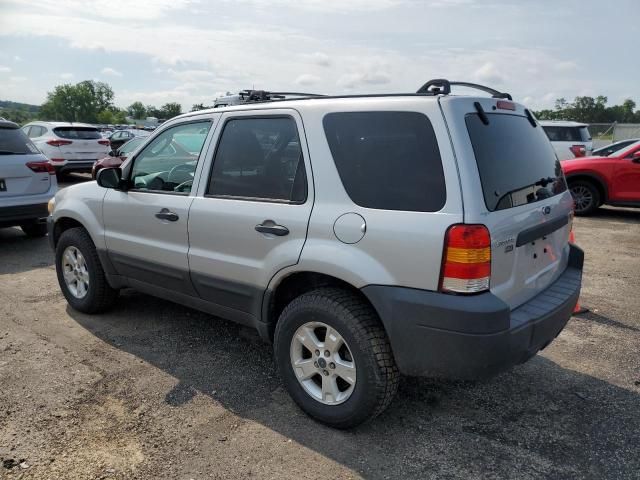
pixel 17 179
pixel 81 143
pixel 512 182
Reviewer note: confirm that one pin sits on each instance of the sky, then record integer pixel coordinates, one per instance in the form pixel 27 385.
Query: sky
pixel 191 51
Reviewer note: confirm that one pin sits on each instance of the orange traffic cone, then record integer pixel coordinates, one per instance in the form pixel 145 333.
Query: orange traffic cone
pixel 578 308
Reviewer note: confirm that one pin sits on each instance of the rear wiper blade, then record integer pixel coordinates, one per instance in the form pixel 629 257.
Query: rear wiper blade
pixel 543 182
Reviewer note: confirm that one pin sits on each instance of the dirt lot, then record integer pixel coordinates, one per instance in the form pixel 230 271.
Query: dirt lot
pixel 152 390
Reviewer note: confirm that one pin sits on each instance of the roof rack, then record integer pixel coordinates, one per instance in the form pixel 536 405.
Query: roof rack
pixel 441 86
pixel 264 96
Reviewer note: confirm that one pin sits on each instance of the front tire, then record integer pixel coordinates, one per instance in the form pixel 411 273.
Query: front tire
pixel 335 358
pixel 80 274
pixel 585 196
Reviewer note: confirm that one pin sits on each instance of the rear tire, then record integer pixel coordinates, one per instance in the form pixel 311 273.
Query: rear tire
pixel 374 376
pixel 586 197
pixel 84 285
pixel 34 230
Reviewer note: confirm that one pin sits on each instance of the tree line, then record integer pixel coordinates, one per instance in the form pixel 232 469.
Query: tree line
pixel 88 102
pixel 592 110
pixel 92 102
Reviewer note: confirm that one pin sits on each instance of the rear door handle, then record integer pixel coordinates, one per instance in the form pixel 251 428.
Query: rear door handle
pixel 166 214
pixel 269 226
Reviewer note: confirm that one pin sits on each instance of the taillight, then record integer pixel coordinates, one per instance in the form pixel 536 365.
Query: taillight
pixel 466 261
pixel 104 142
pixel 58 143
pixel 578 150
pixel 42 167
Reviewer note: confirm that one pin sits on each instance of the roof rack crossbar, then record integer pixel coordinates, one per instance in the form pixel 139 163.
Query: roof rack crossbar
pixel 264 96
pixel 441 86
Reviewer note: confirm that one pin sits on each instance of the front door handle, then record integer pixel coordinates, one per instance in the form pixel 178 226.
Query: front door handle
pixel 166 214
pixel 268 226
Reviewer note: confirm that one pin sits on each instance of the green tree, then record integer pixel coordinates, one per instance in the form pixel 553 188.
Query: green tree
pixel 137 110
pixel 119 116
pixel 77 103
pixel 170 110
pixel 105 116
pixel 197 106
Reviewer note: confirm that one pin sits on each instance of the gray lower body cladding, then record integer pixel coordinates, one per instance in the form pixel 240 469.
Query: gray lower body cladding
pixel 467 337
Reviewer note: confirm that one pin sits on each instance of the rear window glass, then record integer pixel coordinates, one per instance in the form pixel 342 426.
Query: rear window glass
pixel 387 160
pixel 567 134
pixel 14 141
pixel 516 162
pixel 78 133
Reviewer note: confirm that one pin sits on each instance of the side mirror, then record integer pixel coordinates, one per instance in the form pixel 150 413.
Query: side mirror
pixel 635 158
pixel 112 153
pixel 109 177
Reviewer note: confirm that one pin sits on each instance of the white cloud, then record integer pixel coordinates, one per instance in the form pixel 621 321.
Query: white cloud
pixel 66 76
pixel 17 79
pixel 17 58
pixel 321 59
pixel 325 5
pixel 489 73
pixel 4 69
pixel 111 71
pixel 307 79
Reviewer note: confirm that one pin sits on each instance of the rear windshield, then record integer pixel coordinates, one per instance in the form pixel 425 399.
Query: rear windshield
pixel 387 160
pixel 517 164
pixel 568 134
pixel 14 141
pixel 78 133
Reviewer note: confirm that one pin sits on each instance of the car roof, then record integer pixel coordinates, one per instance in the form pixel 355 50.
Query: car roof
pixel 561 123
pixel 9 125
pixel 62 124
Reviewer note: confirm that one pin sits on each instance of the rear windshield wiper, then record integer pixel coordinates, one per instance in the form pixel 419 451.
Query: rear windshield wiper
pixel 8 152
pixel 543 182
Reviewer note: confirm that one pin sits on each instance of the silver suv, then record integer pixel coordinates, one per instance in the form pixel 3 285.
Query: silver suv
pixel 364 236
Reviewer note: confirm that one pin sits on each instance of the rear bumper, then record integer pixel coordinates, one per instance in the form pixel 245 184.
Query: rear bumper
pixel 22 214
pixel 74 166
pixel 467 337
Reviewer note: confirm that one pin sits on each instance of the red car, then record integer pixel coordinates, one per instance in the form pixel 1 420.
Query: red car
pixel 612 180
pixel 117 157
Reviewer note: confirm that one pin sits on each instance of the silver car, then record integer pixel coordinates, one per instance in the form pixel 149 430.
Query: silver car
pixel 364 236
pixel 27 182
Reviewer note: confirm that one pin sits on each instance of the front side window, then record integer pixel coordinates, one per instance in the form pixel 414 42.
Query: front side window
pixel 387 160
pixel 259 158
pixel 165 165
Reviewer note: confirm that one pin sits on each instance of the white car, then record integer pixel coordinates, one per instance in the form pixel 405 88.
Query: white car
pixel 569 139
pixel 71 147
pixel 27 182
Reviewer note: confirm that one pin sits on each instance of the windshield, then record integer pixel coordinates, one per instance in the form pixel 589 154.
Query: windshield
pixel 625 151
pixel 78 133
pixel 14 141
pixel 516 162
pixel 130 146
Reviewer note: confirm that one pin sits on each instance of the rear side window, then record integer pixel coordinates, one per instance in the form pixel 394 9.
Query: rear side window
pixel 77 133
pixel 14 141
pixel 387 160
pixel 259 158
pixel 516 162
pixel 567 134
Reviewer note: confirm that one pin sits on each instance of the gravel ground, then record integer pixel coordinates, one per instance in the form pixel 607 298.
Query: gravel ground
pixel 153 390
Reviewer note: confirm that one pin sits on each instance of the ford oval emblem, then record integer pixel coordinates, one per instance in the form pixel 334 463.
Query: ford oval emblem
pixel 546 210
